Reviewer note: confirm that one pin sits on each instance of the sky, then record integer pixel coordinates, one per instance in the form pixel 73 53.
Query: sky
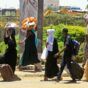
pixel 79 3
pixel 15 3
pixel 9 3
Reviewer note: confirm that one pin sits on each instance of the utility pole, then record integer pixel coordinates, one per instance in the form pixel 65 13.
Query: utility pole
pixel 40 24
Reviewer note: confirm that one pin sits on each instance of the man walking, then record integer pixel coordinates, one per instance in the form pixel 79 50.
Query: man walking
pixel 67 56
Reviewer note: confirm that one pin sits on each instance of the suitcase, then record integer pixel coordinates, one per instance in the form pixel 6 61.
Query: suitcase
pixel 6 72
pixel 77 70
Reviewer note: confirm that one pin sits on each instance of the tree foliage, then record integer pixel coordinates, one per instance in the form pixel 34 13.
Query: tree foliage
pixel 57 18
pixel 76 32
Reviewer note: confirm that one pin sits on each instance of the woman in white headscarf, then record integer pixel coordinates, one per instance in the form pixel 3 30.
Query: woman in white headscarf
pixel 51 67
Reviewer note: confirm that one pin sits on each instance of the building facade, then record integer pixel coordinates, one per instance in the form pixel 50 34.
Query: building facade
pixel 8 12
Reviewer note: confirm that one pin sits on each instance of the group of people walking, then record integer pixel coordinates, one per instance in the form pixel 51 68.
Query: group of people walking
pixel 51 67
pixel 30 54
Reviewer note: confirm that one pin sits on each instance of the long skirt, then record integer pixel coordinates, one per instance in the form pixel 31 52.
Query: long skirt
pixel 51 67
pixel 29 56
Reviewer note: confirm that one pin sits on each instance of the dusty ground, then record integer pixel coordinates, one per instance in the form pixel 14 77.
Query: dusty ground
pixel 35 80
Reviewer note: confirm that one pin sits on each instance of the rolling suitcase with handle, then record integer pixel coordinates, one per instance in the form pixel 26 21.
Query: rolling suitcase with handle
pixel 77 70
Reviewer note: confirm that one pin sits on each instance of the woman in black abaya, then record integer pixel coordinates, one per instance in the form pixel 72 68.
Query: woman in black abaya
pixel 51 67
pixel 10 56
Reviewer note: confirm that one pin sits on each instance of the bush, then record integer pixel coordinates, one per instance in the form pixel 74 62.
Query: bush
pixel 76 32
pixel 57 18
pixel 2 47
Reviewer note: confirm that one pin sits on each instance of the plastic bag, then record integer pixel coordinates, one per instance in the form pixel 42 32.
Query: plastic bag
pixel 44 54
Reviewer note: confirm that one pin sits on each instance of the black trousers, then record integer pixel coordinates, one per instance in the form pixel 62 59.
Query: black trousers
pixel 66 61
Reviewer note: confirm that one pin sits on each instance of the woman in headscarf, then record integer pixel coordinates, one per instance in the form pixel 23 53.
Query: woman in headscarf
pixel 30 55
pixel 10 56
pixel 51 67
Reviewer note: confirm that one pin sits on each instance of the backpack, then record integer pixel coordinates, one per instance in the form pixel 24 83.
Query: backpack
pixel 76 46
